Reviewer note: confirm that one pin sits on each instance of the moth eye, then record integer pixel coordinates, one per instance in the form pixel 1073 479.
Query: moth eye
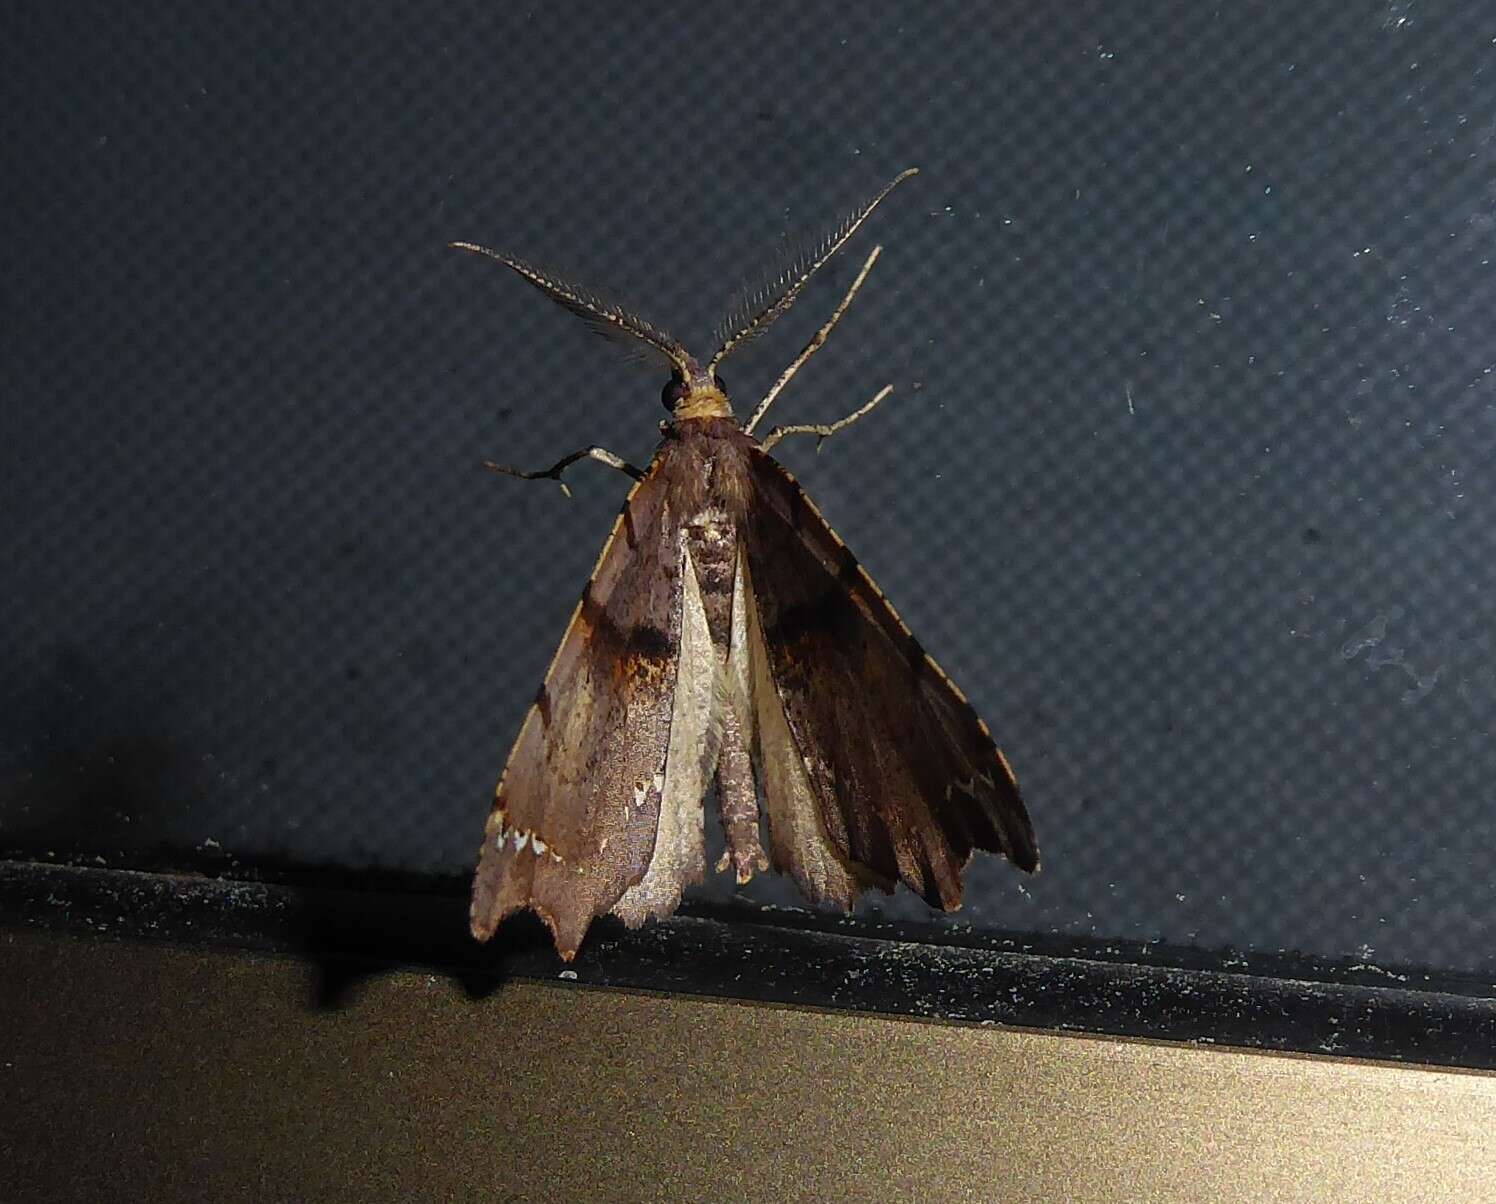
pixel 674 390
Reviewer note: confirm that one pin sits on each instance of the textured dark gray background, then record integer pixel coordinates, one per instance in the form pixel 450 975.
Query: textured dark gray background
pixel 1186 478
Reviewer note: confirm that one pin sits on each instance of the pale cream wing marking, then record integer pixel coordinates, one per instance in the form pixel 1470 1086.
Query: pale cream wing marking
pixel 679 856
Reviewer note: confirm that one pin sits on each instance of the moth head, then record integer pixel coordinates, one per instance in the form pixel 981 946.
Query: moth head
pixel 695 392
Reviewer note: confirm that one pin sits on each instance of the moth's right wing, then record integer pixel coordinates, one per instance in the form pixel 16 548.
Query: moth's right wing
pixel 875 766
pixel 578 808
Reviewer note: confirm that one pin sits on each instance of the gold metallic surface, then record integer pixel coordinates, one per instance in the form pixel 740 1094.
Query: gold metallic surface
pixel 163 1073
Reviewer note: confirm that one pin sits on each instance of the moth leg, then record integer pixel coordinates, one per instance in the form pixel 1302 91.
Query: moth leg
pixel 554 472
pixel 737 798
pixel 815 343
pixel 821 432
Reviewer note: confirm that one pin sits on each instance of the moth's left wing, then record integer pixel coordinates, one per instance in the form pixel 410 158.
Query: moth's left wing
pixel 907 778
pixel 577 813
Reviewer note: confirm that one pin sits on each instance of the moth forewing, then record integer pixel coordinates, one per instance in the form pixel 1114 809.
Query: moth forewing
pixel 727 633
pixel 890 743
pixel 574 817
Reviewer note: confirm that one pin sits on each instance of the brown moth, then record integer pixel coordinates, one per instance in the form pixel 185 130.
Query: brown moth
pixel 727 634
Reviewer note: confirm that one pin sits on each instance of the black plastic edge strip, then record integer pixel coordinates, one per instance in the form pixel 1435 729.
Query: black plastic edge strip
pixel 786 958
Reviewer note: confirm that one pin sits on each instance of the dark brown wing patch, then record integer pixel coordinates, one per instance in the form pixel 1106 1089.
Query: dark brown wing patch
pixel 909 778
pixel 575 816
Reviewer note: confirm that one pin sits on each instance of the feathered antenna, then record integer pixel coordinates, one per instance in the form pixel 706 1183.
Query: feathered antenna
pixel 765 304
pixel 605 317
